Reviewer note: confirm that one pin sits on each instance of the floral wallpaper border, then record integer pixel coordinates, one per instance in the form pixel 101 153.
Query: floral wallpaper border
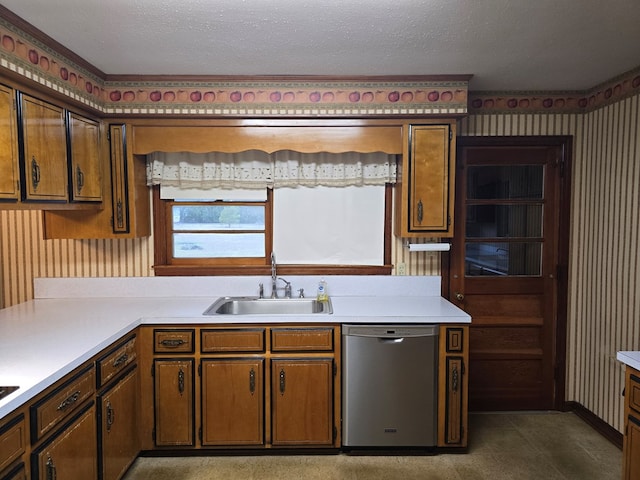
pixel 32 59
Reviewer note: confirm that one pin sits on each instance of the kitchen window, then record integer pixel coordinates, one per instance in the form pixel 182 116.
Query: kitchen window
pixel 320 213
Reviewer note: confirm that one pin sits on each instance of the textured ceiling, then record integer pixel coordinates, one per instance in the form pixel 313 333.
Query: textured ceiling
pixel 504 44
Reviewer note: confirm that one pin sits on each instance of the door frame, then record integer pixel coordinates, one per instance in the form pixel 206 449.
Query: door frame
pixel 565 142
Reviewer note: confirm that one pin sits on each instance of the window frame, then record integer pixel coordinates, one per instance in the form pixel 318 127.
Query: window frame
pixel 164 266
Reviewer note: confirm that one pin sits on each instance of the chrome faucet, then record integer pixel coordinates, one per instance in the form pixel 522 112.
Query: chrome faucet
pixel 274 276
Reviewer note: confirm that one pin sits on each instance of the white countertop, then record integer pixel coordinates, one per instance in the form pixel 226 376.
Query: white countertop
pixel 44 339
pixel 631 359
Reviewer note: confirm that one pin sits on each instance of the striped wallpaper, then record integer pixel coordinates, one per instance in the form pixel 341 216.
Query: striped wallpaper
pixel 604 315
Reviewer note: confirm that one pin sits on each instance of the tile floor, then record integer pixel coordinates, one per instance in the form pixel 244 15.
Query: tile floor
pixel 503 446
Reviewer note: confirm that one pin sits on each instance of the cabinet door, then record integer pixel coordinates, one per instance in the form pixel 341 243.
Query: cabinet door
pixel 86 168
pixel 118 427
pixel 302 401
pixel 632 448
pixel 174 397
pixel 232 402
pixel 429 178
pixel 45 151
pixel 71 453
pixel 9 176
pixel 424 198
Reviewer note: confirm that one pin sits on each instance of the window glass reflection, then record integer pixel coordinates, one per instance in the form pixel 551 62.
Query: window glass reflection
pixel 491 221
pixel 505 182
pixel 502 258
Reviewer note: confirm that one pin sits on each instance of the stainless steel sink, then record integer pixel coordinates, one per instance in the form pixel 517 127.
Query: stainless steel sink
pixel 268 306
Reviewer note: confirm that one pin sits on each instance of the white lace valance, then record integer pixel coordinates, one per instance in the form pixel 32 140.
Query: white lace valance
pixel 257 169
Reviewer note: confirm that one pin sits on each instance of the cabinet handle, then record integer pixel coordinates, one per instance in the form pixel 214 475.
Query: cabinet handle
pixel 172 342
pixel 120 360
pixel 420 211
pixel 111 416
pixel 252 381
pixel 51 469
pixel 181 381
pixel 119 214
pixel 70 400
pixel 35 173
pixel 454 379
pixel 282 381
pixel 79 178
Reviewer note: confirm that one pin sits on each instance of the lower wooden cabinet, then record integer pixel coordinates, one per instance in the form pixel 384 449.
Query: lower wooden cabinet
pixel 631 447
pixel 174 402
pixel 17 473
pixel 118 444
pixel 13 437
pixel 453 386
pixel 233 401
pixel 71 452
pixel 302 402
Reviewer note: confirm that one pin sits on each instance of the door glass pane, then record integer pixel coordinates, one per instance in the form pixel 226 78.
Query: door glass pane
pixel 505 182
pixel 218 245
pixel 502 258
pixel 491 221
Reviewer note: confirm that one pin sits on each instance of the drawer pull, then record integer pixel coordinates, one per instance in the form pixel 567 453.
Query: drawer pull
pixel 120 360
pixel 454 378
pixel 35 173
pixel 283 381
pixel 51 469
pixel 172 342
pixel 111 416
pixel 181 381
pixel 70 400
pixel 79 178
pixel 252 381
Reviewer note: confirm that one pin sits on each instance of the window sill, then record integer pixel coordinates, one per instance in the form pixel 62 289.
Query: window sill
pixel 188 270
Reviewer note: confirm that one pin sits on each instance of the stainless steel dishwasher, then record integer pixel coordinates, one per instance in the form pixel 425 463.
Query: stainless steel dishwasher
pixel 389 385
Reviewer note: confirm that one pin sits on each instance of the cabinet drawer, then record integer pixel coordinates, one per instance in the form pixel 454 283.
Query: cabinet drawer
pixel 174 341
pixel 52 409
pixel 12 441
pixel 233 340
pixel 116 360
pixel 634 392
pixel 302 339
pixel 455 340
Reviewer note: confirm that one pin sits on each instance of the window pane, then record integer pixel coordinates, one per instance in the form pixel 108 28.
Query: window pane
pixel 505 182
pixel 489 221
pixel 516 258
pixel 218 245
pixel 218 217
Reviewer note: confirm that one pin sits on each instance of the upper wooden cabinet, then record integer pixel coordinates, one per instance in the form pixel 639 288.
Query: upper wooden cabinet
pixel 44 150
pixel 10 177
pixel 127 206
pixel 425 194
pixel 85 166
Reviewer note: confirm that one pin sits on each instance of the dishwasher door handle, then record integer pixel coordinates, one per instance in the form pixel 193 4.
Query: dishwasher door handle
pixel 391 340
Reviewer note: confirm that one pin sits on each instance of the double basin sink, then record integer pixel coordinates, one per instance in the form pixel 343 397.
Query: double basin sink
pixel 268 306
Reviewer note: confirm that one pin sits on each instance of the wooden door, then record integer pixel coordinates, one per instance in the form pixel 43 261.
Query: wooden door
pixel 118 428
pixel 86 167
pixel 9 170
pixel 302 401
pixel 506 255
pixel 232 402
pixel 71 453
pixel 174 397
pixel 45 151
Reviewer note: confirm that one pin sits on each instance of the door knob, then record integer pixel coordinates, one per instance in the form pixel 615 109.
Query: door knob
pixel 459 296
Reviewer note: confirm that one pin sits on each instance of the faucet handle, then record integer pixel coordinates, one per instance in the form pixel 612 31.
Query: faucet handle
pixel 261 290
pixel 301 293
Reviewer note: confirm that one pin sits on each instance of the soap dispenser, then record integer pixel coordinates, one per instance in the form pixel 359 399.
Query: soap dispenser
pixel 322 296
